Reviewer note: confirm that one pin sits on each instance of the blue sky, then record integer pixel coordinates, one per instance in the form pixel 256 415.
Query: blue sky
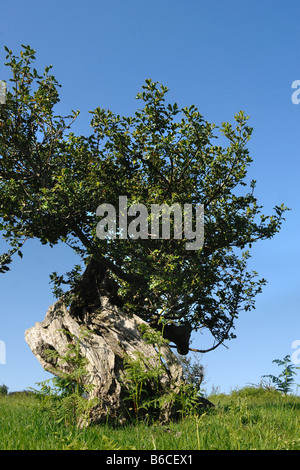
pixel 221 56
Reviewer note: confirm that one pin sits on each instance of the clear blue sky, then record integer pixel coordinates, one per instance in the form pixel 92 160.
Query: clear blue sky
pixel 221 56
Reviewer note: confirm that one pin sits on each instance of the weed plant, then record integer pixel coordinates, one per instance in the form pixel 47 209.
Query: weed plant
pixel 143 390
pixel 65 398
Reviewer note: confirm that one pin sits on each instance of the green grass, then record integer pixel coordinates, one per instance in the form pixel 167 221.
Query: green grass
pixel 250 418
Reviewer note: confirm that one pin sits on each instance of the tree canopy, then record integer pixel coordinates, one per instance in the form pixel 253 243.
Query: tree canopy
pixel 52 181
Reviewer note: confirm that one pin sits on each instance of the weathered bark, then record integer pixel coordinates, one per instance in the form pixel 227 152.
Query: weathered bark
pixel 113 336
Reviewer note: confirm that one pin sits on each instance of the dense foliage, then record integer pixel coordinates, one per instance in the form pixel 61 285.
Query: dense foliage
pixel 52 181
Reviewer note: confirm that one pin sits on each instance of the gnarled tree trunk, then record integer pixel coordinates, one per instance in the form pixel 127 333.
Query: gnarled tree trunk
pixel 113 336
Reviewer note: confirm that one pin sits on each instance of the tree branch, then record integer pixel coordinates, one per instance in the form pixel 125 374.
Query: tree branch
pixel 104 261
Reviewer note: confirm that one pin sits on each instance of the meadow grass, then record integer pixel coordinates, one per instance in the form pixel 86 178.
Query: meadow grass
pixel 250 418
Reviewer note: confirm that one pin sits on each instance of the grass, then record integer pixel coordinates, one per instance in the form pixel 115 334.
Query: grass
pixel 251 418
